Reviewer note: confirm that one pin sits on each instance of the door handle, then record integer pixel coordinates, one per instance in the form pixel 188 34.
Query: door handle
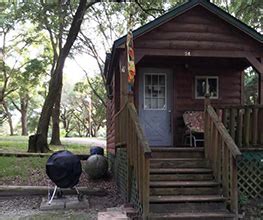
pixel 170 120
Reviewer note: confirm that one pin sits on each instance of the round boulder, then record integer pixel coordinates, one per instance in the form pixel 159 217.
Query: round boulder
pixel 96 166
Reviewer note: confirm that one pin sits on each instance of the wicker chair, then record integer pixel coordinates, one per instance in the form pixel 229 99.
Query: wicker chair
pixel 194 122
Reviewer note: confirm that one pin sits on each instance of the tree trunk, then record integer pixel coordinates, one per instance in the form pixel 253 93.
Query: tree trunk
pixel 24 123
pixel 55 137
pixel 37 144
pixel 39 140
pixel 23 110
pixel 9 118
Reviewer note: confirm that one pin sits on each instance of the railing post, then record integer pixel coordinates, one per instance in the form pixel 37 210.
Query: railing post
pixel 239 127
pixel 234 188
pixel 260 122
pixel 254 126
pixel 247 127
pixel 146 197
pixel 232 124
pixel 206 130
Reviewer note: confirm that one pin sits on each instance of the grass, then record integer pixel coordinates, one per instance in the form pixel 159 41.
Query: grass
pixel 13 167
pixel 31 170
pixel 20 144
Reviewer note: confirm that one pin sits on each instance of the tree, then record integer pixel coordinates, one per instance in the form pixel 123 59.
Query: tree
pixel 38 142
pixel 6 83
pixel 54 19
pixel 26 82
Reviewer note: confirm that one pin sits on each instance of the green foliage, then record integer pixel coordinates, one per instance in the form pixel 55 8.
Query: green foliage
pixel 82 109
pixel 249 11
pixel 251 87
pixel 243 199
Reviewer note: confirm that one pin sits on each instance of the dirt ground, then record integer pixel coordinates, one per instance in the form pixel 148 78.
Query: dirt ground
pixel 39 177
pixel 253 210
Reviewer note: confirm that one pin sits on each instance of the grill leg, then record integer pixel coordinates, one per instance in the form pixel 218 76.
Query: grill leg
pixel 52 197
pixel 76 189
pixel 80 195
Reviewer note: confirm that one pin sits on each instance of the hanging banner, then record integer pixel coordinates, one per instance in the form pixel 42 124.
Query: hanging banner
pixel 130 61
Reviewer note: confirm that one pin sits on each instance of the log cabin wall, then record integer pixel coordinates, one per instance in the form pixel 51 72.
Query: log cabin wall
pixel 112 108
pixel 198 29
pixel 110 126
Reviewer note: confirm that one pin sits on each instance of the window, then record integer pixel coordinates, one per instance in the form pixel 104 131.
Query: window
pixel 206 84
pixel 155 91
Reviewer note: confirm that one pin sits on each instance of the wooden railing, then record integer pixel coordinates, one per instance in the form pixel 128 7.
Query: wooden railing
pixel 129 133
pixel 244 124
pixel 222 152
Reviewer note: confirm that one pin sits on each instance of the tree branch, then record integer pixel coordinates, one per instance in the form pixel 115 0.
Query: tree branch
pixel 148 11
pixel 91 86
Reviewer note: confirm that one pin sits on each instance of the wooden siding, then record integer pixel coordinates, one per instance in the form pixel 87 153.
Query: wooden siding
pixel 112 107
pixel 198 29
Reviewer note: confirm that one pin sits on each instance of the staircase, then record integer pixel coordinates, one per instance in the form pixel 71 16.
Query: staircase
pixel 182 186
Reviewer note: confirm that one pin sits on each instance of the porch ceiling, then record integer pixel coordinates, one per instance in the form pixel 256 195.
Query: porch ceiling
pixel 194 62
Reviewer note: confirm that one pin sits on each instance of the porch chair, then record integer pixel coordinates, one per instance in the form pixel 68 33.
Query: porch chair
pixel 194 122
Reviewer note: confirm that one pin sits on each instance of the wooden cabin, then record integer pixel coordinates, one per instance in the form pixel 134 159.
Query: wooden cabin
pixel 193 49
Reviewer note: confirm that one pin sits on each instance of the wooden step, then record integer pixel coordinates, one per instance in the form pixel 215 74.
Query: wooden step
pixel 191 215
pixel 180 170
pixel 183 183
pixel 177 152
pixel 191 203
pixel 185 199
pixel 159 188
pixel 181 176
pixel 178 162
pixel 166 191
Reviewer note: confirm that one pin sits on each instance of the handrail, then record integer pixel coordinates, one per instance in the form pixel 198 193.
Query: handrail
pixel 139 131
pixel 129 131
pixel 224 133
pixel 241 106
pixel 222 152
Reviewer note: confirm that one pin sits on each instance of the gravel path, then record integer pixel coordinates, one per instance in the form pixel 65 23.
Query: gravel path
pixel 27 207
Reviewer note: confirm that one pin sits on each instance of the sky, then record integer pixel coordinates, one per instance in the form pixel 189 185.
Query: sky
pixel 74 72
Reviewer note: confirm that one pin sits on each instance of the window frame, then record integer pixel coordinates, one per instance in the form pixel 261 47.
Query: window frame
pixel 165 96
pixel 207 77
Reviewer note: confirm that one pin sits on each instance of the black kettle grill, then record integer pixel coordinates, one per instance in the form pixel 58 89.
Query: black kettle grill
pixel 64 169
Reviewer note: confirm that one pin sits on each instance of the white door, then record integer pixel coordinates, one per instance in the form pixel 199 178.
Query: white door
pixel 155 105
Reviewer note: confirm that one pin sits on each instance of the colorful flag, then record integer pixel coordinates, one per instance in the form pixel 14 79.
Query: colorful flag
pixel 130 59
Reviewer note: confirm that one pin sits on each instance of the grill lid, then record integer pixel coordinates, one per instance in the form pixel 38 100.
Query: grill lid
pixel 64 169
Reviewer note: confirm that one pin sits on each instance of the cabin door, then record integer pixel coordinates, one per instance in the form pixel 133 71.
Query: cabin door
pixel 155 105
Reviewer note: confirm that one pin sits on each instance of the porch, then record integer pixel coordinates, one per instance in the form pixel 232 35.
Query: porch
pixel 185 82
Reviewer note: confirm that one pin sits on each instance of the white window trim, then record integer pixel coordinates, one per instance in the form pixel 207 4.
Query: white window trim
pixel 206 78
pixel 165 97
